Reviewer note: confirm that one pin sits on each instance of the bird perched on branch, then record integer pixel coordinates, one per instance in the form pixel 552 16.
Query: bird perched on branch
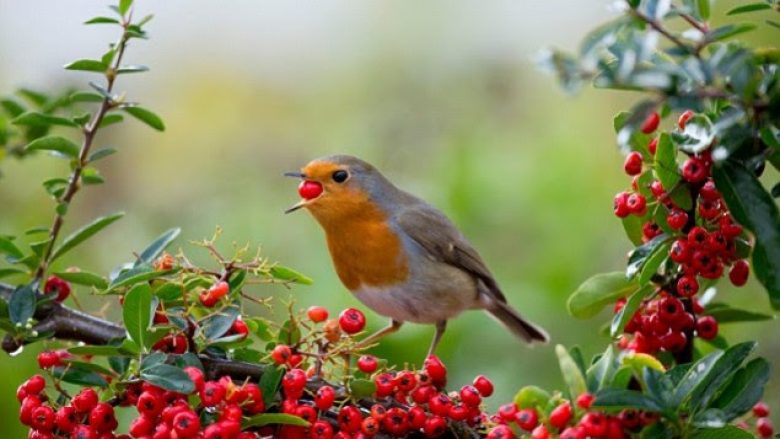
pixel 397 254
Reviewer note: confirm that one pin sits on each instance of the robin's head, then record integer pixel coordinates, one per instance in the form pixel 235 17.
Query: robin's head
pixel 337 186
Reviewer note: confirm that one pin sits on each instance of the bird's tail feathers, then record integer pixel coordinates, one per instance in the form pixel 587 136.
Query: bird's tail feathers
pixel 520 327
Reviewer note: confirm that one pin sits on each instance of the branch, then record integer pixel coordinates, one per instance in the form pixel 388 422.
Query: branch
pixel 69 324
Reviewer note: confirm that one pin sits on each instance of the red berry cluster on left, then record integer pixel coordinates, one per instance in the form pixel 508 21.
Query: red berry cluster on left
pixel 85 417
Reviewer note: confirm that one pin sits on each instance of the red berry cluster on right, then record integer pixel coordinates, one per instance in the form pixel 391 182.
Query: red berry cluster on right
pixel 704 242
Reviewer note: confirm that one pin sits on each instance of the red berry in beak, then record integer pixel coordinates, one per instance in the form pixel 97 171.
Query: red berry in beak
pixel 309 190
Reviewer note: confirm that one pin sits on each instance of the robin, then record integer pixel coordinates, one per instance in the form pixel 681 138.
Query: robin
pixel 397 254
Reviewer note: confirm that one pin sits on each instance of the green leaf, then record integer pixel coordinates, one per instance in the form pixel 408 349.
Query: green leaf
pixel 572 374
pixel 597 292
pixel 34 118
pixel 755 209
pixel 168 377
pixel 12 107
pixel 154 249
pixel 724 313
pixel 9 248
pixel 10 271
pixel 694 376
pixel 82 377
pixel 625 314
pixel 744 390
pixel 91 176
pixel 84 278
pixel 666 168
pixel 85 233
pixel 274 419
pixel 720 374
pixel 146 117
pixel 532 397
pixel 632 225
pixel 103 351
pixel 288 274
pixel 749 8
pixel 681 196
pixel 269 382
pixel 54 143
pixel 289 333
pixel 102 20
pixel 142 273
pixel 101 153
pixel 217 325
pixel 137 314
pixel 728 31
pixel 124 6
pixel 86 96
pixel 622 398
pixel 21 305
pixel 360 388
pixel 84 365
pixel 656 258
pixel 111 119
pixel 87 65
pixel 599 374
pixel 639 256
pixel 726 432
pixel 703 8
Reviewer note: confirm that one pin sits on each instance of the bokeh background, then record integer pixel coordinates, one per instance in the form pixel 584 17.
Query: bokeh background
pixel 443 96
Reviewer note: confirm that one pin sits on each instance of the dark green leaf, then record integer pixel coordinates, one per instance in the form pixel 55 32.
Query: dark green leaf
pixel 101 153
pixel 88 65
pixel 289 333
pixel 97 350
pixel 269 382
pixel 91 176
pixel 142 273
pixel 681 197
pixel 694 376
pixel 84 365
pixel 744 390
pixel 625 314
pixel 12 107
pixel 749 8
pixel 111 119
pixel 34 118
pixel 168 377
pixel 597 292
pixel 632 225
pixel 84 278
pixel 9 248
pixel 600 373
pixel 86 96
pixel 359 388
pixel 36 97
pixel 638 257
pixel 10 271
pixel 83 377
pixel 572 374
pixel 274 419
pixel 217 325
pixel 754 208
pixel 654 260
pixel 724 313
pixel 726 432
pixel 719 375
pixel 85 233
pixel 288 274
pixel 54 143
pixel 154 249
pixel 728 31
pixel 621 398
pixel 21 305
pixel 124 6
pixel 137 314
pixel 666 168
pixel 146 117
pixel 703 9
pixel 102 20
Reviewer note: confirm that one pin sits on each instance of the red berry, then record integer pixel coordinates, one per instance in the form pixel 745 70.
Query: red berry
pixel 321 430
pixel 470 396
pixel 29 404
pixel 507 412
pixel 620 205
pixel 677 219
pixel 281 354
pixel 561 415
pixel 707 327
pixel 738 275
pixel 212 393
pixel 694 171
pixel 761 410
pixel 150 404
pixel 396 421
pixel 385 384
pixel 687 286
pixel 709 209
pixel 680 251
pixel 309 190
pixel 293 383
pixel 652 146
pixel 458 412
pixel 709 192
pixel 684 118
pixel 219 289
pixel 102 418
pixel 317 314
pixel 35 385
pixel 85 400
pixel 636 204
pixel 47 359
pixel 765 428
pixel 657 189
pixel 42 418
pixel 435 426
pixel 207 299
pixel 350 419
pixel 197 377
pixel 84 432
pixel 650 230
pixel 540 432
pixel 141 426
pixel 422 394
pixel 352 321
pixel 324 397
pixel 483 385
pixel 440 404
pixel 573 433
pixel 673 341
pixel 585 400
pixel 594 424
pixel 501 432
pixel 633 163
pixel 57 285
pixel 629 419
pixel 367 363
pixel 651 122
pixel 527 419
pixel 405 381
pixel 416 417
pixel 239 327
pixel 370 426
pixel 435 369
pixel 306 412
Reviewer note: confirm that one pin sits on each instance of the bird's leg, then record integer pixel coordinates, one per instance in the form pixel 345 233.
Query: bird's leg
pixel 389 329
pixel 440 327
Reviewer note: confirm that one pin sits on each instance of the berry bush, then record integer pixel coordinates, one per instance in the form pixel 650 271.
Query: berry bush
pixel 188 362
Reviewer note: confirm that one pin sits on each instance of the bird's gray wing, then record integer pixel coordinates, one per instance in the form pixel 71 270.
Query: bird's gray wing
pixel 435 233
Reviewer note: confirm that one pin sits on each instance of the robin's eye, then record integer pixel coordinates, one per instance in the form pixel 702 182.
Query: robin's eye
pixel 340 176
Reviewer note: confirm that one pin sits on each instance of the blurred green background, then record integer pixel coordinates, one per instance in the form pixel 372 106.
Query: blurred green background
pixel 442 96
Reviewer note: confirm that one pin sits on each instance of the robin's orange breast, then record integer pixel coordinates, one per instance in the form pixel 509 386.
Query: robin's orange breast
pixel 366 251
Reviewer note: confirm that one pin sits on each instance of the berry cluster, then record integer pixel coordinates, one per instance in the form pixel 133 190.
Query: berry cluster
pixel 703 241
pixel 568 421
pixel 763 425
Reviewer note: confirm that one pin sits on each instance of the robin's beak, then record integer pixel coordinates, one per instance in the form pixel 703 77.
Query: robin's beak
pixel 296 206
pixel 307 198
pixel 295 174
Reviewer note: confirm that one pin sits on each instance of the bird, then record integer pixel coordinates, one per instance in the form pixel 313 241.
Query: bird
pixel 397 254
